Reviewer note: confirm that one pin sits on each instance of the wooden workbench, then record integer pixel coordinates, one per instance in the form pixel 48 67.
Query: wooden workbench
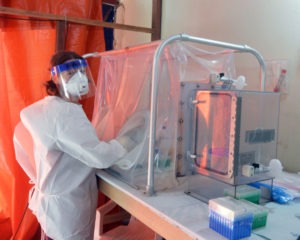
pixel 175 215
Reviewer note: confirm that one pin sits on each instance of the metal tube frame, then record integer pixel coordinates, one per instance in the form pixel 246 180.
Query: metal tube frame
pixel 154 89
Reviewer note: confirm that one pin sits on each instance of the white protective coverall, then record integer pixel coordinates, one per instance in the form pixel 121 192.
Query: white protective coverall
pixel 66 153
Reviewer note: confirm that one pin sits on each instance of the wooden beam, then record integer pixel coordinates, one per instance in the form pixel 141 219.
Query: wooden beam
pixel 156 19
pixel 148 216
pixel 111 2
pixel 60 35
pixel 84 21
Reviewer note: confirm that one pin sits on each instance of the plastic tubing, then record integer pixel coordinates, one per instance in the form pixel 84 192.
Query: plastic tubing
pixel 154 89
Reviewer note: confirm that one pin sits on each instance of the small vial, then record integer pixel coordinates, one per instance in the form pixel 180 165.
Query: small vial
pixel 280 80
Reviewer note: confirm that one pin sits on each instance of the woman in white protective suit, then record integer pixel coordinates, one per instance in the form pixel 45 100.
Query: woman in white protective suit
pixel 67 152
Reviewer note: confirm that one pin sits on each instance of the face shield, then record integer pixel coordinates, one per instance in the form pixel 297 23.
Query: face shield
pixel 74 79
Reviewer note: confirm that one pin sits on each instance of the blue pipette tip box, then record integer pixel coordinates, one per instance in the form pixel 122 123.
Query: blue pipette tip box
pixel 230 218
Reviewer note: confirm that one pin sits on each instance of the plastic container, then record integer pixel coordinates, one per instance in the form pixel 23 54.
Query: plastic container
pixel 246 192
pixel 230 218
pixel 260 214
pixel 276 167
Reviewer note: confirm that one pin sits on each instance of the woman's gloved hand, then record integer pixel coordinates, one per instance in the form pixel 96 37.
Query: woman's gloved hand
pixel 126 142
pixel 133 131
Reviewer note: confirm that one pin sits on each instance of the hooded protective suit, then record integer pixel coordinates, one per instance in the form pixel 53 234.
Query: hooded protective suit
pixel 66 152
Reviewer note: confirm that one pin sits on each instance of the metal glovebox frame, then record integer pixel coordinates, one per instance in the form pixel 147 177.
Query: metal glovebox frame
pixel 231 173
pixel 191 152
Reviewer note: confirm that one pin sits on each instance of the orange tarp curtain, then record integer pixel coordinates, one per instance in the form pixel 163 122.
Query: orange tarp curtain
pixel 26 46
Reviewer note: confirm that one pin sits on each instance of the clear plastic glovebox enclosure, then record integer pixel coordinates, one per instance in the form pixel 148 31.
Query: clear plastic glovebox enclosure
pixel 203 122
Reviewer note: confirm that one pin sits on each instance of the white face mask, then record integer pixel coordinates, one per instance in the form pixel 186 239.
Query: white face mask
pixel 77 85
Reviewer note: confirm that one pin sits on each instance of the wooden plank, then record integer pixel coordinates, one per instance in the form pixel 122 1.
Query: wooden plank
pixel 111 2
pixel 151 218
pixel 60 35
pixel 156 19
pixel 84 21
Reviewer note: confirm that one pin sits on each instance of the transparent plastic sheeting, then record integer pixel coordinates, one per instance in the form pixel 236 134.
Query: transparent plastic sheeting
pixel 123 97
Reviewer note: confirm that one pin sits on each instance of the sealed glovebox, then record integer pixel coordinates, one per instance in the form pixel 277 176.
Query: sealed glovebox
pixel 189 113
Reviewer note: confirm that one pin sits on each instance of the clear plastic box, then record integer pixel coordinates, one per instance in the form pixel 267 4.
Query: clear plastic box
pixel 248 124
pixel 260 214
pixel 246 192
